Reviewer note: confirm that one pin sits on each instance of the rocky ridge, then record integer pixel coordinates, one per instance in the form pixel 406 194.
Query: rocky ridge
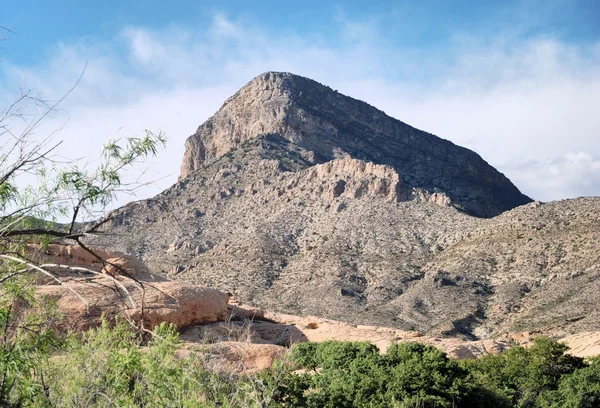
pixel 329 125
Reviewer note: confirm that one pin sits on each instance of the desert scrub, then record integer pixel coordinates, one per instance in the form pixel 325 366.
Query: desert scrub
pixel 525 377
pixel 346 374
pixel 26 343
pixel 112 366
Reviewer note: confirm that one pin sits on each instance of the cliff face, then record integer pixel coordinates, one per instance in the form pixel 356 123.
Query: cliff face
pixel 329 125
pixel 348 179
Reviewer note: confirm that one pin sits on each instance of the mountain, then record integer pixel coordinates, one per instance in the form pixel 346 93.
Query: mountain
pixel 330 125
pixel 298 199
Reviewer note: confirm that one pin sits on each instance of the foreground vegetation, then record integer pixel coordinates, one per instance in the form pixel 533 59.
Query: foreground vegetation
pixel 416 375
pixel 115 366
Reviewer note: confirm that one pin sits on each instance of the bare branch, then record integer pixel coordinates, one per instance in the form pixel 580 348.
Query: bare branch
pixel 45 272
pixel 87 270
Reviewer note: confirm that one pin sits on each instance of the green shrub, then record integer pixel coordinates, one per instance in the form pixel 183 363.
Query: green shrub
pixel 348 374
pixel 581 389
pixel 425 375
pixel 521 374
pixel 114 366
pixel 110 366
pixel 26 343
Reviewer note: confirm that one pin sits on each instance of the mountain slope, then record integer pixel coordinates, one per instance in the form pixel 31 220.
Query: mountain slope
pixel 279 205
pixel 540 262
pixel 341 237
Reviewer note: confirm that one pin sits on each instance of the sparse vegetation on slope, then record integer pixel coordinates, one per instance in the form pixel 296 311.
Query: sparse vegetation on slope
pixel 286 237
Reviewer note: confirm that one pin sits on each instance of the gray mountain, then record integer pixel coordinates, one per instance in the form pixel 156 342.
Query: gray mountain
pixel 301 200
pixel 330 125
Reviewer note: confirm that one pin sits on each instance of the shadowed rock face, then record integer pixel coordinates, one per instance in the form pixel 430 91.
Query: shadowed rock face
pixel 330 125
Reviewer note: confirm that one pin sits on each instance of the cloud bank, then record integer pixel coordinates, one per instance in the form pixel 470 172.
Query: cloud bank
pixel 528 106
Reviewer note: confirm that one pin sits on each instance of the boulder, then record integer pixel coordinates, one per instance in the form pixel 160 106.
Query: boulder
pixel 82 302
pixel 122 284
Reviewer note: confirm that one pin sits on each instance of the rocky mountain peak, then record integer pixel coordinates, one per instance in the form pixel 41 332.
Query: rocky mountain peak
pixel 299 199
pixel 330 126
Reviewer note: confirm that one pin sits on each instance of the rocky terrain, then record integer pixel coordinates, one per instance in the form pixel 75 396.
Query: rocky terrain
pixel 541 265
pixel 90 283
pixel 95 283
pixel 300 200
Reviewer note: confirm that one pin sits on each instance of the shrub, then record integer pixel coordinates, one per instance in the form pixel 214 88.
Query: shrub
pixel 581 389
pixel 424 375
pixel 26 342
pixel 521 374
pixel 115 366
pixel 349 374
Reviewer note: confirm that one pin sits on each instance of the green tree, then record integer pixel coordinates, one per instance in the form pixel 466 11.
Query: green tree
pixel 522 374
pixel 581 389
pixel 36 191
pixel 346 374
pixel 28 218
pixel 424 375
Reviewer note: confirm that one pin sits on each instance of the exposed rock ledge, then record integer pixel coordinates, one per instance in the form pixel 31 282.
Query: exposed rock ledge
pixel 352 178
pixel 120 283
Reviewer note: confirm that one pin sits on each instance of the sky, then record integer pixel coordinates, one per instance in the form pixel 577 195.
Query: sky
pixel 516 81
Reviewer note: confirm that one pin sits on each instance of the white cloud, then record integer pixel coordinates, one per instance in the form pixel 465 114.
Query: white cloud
pixel 572 174
pixel 528 107
pixel 224 28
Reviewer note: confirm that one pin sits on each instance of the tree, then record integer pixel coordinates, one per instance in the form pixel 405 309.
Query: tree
pixel 346 374
pixel 581 389
pixel 523 374
pixel 37 192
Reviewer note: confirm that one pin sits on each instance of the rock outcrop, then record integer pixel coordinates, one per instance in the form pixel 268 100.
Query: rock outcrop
pixel 347 178
pixel 114 283
pixel 255 339
pixel 329 125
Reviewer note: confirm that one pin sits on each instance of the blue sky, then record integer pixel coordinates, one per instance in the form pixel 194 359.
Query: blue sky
pixel 516 81
pixel 430 24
